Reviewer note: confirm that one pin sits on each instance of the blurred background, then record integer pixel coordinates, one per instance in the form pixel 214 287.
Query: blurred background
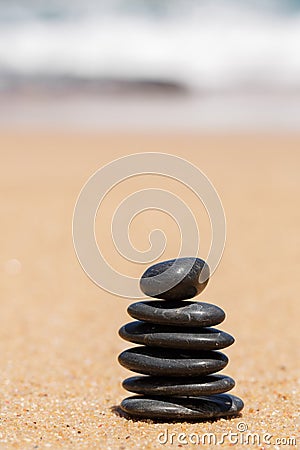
pixel 208 64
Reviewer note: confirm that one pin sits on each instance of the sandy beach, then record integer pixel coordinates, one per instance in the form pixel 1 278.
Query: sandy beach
pixel 60 381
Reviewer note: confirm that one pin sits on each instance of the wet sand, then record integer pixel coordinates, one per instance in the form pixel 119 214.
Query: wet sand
pixel 59 378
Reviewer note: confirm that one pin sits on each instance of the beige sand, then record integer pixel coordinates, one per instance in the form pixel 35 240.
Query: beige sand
pixel 59 376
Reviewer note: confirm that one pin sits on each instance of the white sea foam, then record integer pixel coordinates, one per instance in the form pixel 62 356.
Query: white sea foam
pixel 207 48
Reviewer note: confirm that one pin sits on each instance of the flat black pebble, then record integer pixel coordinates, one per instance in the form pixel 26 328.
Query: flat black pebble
pixel 207 385
pixel 214 406
pixel 164 362
pixel 180 313
pixel 157 279
pixel 175 337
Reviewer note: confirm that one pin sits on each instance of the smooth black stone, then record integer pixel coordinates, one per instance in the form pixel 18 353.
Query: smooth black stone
pixel 147 385
pixel 171 362
pixel 214 406
pixel 175 337
pixel 180 313
pixel 183 289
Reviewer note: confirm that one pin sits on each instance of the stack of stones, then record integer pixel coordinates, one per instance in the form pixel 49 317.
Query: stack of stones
pixel 179 353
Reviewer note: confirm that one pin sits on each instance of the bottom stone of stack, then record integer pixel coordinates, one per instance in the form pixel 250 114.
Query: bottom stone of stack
pixel 182 408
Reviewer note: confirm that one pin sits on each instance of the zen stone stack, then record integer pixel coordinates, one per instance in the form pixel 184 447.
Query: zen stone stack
pixel 179 353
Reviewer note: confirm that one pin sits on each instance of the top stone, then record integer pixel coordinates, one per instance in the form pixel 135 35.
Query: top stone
pixel 176 279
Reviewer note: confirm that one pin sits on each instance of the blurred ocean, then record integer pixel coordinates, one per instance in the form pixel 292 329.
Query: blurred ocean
pixel 203 45
pixel 224 64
